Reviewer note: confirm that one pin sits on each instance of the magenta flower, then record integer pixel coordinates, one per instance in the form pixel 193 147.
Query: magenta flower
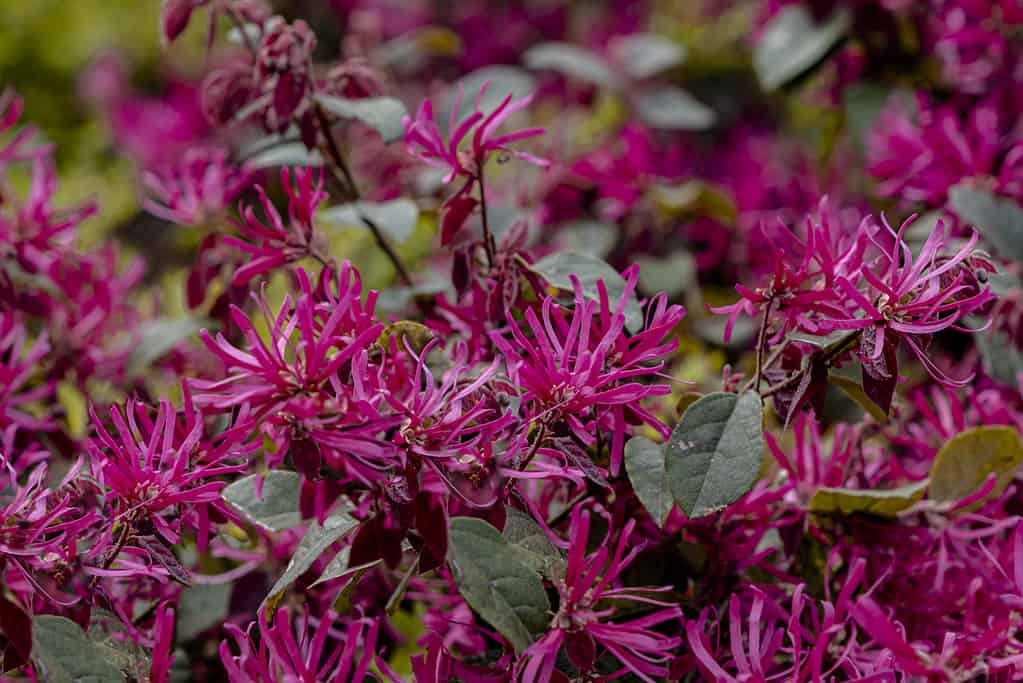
pixel 578 365
pixel 311 384
pixel 283 74
pixel 39 527
pixel 909 297
pixel 273 244
pixel 163 657
pixel 804 284
pixel 201 186
pixel 164 472
pixel 584 627
pixel 918 158
pixel 18 147
pixel 304 650
pixel 425 141
pixel 18 363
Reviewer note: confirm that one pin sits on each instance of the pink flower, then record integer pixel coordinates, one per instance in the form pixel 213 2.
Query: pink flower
pixel 304 650
pixel 584 627
pixel 311 384
pixel 918 158
pixel 199 187
pixel 907 297
pixel 18 148
pixel 283 73
pixel 274 243
pixel 425 141
pixel 18 363
pixel 578 365
pixel 804 284
pixel 164 472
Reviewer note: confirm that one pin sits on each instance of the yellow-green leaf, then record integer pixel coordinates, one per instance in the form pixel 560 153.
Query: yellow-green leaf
pixel 964 463
pixel 417 334
pixel 883 503
pixel 853 390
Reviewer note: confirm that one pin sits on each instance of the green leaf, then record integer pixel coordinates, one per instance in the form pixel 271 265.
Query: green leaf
pixel 397 218
pixel 883 503
pixel 818 340
pixel 573 61
pixel 589 237
pixel 338 567
pixel 66 655
pixel 863 103
pixel 417 334
pixel 645 465
pixel 504 80
pixel 671 274
pixel 556 269
pixel 695 197
pixel 965 461
pixel 998 219
pixel 383 114
pixel 669 107
pixel 275 508
pixel 201 607
pixel 645 54
pixel 496 583
pixel 714 455
pixel 854 390
pixel 315 542
pixel 531 544
pixel 284 154
pixel 792 43
pixel 1003 361
pixel 160 336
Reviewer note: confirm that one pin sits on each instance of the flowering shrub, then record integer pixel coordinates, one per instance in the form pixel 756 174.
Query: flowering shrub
pixel 554 445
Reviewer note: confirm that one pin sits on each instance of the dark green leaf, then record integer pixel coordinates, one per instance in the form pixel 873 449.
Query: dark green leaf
pixel 714 455
pixel 792 43
pixel 883 503
pixel 671 274
pixel 592 238
pixel 556 269
pixel 711 329
pixel 160 336
pixel 285 154
pixel 383 114
pixel 645 54
pixel 201 607
pixel 644 463
pixel 276 506
pixel 315 542
pixel 998 219
pixel 532 545
pixel 854 390
pixel 1003 361
pixel 816 340
pixel 964 462
pixel 338 567
pixel 669 107
pixel 66 655
pixel 397 218
pixel 573 61
pixel 496 583
pixel 863 104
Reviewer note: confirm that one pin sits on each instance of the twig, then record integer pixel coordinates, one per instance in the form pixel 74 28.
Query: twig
pixel 761 341
pixel 488 237
pixel 354 195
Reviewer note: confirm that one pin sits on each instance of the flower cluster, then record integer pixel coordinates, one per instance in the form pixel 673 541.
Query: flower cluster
pixel 555 448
